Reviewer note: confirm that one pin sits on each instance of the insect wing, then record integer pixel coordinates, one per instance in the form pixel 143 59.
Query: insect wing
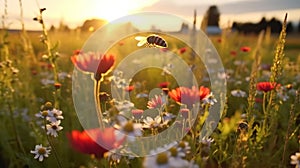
pixel 142 40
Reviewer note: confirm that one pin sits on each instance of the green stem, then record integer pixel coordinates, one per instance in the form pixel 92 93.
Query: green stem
pixel 97 103
pixel 19 142
pixel 264 110
pixel 52 60
pixel 52 146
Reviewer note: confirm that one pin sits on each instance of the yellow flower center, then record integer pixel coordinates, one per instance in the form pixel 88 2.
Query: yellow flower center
pixel 42 151
pixel 173 151
pixel 48 105
pixel 181 145
pixel 45 113
pixel 162 158
pixel 128 127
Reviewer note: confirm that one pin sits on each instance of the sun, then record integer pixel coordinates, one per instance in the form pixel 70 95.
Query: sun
pixel 114 9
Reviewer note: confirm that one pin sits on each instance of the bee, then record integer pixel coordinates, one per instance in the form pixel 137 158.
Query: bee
pixel 152 41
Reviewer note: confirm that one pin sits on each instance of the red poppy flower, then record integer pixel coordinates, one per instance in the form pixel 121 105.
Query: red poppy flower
pixel 164 84
pixel 57 85
pixel 203 92
pixel 189 96
pixel 233 53
pixel 266 86
pixel 129 88
pixel 88 141
pixel 182 50
pixel 245 49
pixel 93 62
pixel 219 40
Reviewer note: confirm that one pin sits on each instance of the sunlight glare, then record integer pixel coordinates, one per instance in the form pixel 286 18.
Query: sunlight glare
pixel 114 9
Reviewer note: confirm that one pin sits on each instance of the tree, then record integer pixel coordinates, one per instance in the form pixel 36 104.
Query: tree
pixel 299 26
pixel 213 16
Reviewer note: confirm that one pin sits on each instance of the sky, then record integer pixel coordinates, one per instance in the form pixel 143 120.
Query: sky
pixel 74 12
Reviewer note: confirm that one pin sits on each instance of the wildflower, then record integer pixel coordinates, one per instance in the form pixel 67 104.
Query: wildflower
pixel 40 152
pixel 185 95
pixel 128 128
pixel 57 85
pixel 245 49
pixel 184 147
pixel 266 86
pixel 182 50
pixel 295 159
pixel 55 115
pixel 160 160
pixel 164 84
pixel 210 99
pixel 238 93
pixel 94 141
pixel 152 123
pixel 137 113
pixel 205 141
pixel 176 152
pixel 44 114
pixel 203 92
pixel 233 53
pixel 189 96
pixel 93 63
pixel 53 128
pixel 166 160
pixel 129 88
pixel 156 102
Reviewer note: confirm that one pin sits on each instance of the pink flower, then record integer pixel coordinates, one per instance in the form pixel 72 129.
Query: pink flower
pixel 92 62
pixel 137 113
pixel 156 102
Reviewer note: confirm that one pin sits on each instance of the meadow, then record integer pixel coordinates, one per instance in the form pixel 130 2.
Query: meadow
pixel 258 126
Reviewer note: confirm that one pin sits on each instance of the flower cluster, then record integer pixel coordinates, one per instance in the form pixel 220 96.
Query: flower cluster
pixel 51 124
pixel 174 156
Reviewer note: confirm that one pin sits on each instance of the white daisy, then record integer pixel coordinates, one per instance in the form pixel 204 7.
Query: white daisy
pixel 44 114
pixel 161 160
pixel 184 146
pixel 40 152
pixel 210 99
pixel 238 93
pixel 128 128
pixel 55 115
pixel 53 128
pixel 295 159
pixel 149 122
